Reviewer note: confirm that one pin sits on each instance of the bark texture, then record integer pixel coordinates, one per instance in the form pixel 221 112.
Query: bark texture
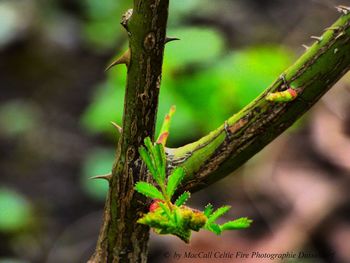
pixel 121 239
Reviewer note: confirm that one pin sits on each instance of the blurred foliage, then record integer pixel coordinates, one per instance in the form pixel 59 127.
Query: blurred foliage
pixel 106 106
pixel 98 162
pixel 8 23
pixel 17 117
pixel 206 83
pixel 13 20
pixel 14 211
pixel 11 260
pixel 197 46
pixel 102 29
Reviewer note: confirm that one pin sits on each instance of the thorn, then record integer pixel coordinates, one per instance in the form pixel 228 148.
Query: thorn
pixel 340 35
pixel 335 28
pixel 226 128
pixel 119 129
pixel 125 19
pixel 107 177
pixel 319 39
pixel 284 80
pixel 343 9
pixel 306 47
pixel 124 59
pixel 169 39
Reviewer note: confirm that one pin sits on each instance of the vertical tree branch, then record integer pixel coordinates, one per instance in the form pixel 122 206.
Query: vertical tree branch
pixel 121 239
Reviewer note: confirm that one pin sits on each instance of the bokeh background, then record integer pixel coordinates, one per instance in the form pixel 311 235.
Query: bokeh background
pixel 56 104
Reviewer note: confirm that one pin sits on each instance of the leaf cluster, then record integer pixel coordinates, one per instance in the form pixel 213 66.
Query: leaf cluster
pixel 175 218
pixel 166 217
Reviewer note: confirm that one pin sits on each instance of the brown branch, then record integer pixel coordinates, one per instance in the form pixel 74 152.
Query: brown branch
pixel 121 239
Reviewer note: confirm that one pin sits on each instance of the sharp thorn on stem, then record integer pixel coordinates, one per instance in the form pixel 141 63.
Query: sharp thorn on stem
pixel 306 47
pixel 319 39
pixel 284 80
pixel 169 39
pixel 107 177
pixel 340 35
pixel 343 9
pixel 335 28
pixel 119 129
pixel 125 19
pixel 226 128
pixel 124 59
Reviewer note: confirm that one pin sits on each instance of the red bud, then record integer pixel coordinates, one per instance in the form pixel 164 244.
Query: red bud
pixel 155 205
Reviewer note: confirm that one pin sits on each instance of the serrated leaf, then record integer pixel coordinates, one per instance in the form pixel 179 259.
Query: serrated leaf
pixel 148 143
pixel 149 146
pixel 149 191
pixel 148 161
pixel 182 199
pixel 218 213
pixel 208 210
pixel 159 156
pixel 154 220
pixel 183 233
pixel 166 211
pixel 239 223
pixel 174 180
pixel 177 216
pixel 215 228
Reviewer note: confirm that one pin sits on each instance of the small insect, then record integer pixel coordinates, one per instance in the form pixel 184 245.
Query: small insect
pixel 282 96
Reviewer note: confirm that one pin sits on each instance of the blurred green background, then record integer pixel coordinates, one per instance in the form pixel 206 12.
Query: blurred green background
pixel 57 103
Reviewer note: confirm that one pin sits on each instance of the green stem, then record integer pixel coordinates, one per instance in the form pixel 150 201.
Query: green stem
pixel 219 153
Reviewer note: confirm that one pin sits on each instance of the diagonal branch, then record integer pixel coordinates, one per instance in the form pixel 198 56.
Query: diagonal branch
pixel 225 149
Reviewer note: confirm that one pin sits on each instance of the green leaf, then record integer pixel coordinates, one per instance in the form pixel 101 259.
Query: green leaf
pixel 215 228
pixel 156 220
pixel 183 233
pixel 148 161
pixel 149 145
pixel 159 156
pixel 177 216
pixel 208 210
pixel 218 213
pixel 174 180
pixel 149 191
pixel 239 223
pixel 166 211
pixel 182 199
